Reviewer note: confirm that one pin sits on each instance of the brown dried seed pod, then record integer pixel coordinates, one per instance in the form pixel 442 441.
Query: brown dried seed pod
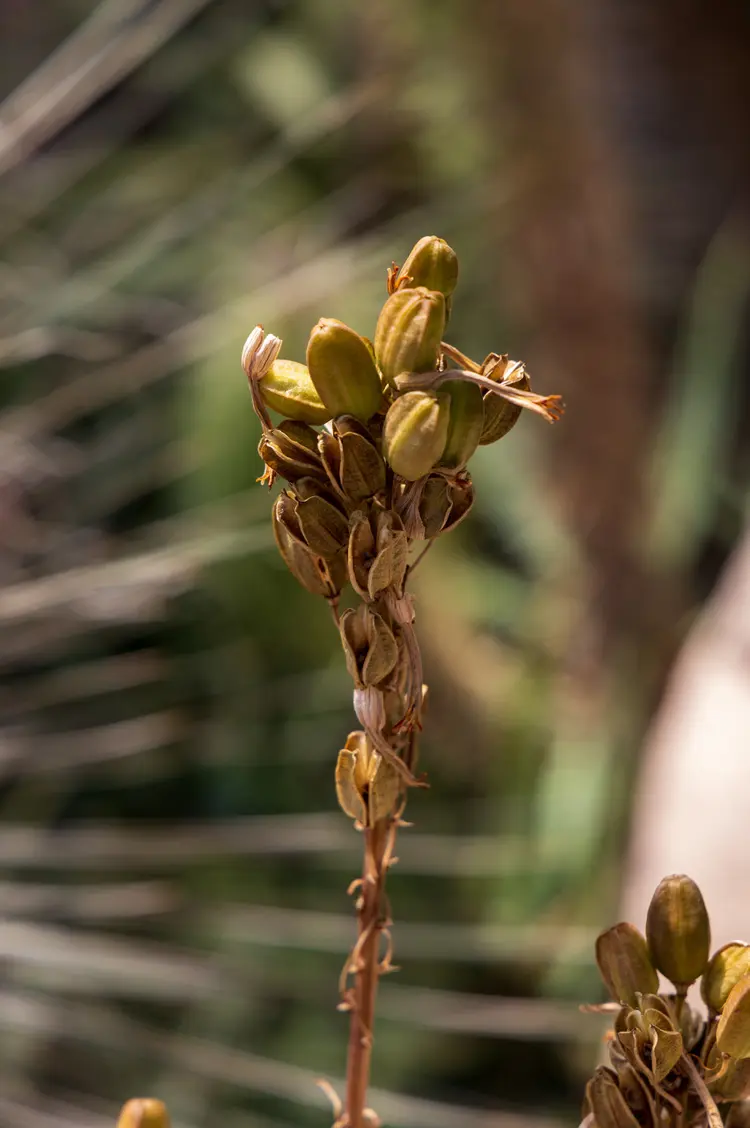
pixel 369 645
pixel 367 786
pixel 607 1103
pixel 323 525
pixel 318 576
pixel 285 454
pixel 352 461
pixel 624 963
pixel 377 553
pixel 499 415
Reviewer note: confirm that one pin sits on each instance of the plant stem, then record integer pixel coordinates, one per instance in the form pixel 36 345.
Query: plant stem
pixel 371 921
pixel 712 1113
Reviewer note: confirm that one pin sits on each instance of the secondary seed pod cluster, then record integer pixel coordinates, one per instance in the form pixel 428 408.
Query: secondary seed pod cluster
pixel 373 445
pixel 669 1065
pixel 144 1113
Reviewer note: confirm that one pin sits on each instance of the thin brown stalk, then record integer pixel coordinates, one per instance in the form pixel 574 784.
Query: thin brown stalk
pixel 367 967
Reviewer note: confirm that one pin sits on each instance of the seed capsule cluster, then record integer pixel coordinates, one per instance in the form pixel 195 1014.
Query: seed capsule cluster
pixel 399 417
pixel 669 1066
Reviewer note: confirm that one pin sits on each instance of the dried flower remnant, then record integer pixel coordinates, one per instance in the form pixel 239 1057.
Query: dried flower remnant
pixel 400 419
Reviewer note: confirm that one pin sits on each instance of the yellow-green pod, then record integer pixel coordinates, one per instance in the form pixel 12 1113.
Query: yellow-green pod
pixel 727 966
pixel 288 389
pixel 464 423
pixel 415 432
pixel 432 263
pixel 342 368
pixel 409 332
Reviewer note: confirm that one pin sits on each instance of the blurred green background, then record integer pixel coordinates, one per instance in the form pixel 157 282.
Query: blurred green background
pixel 173 914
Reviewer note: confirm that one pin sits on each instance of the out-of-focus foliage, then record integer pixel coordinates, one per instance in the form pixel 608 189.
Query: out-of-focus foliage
pixel 174 863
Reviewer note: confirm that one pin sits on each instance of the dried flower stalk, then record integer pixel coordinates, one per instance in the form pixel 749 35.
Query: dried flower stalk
pixel 385 475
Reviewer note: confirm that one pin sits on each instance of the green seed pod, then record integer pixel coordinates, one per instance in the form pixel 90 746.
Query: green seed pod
pixel 367 786
pixel 465 422
pixel 499 415
pixel 432 264
pixel 288 389
pixel 409 332
pixel 370 648
pixel 144 1112
pixel 318 576
pixel 604 1099
pixel 733 1031
pixel 730 964
pixel 738 1115
pixel 624 964
pixel 342 368
pixel 415 431
pixel 678 930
